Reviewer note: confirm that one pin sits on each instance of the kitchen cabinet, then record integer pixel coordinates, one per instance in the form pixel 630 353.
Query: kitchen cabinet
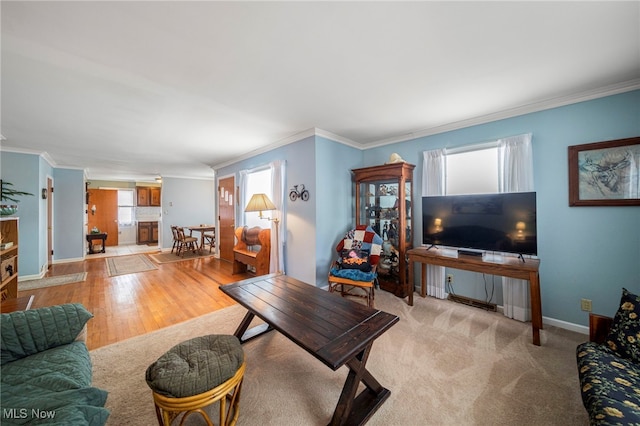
pixel 148 196
pixel 147 232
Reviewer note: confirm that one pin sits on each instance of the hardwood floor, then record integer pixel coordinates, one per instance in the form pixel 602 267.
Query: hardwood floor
pixel 130 305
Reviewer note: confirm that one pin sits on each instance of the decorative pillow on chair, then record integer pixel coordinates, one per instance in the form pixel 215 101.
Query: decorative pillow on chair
pixel 363 237
pixel 624 337
pixel 355 259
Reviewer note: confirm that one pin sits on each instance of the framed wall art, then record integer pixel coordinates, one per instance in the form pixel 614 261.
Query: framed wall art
pixel 605 173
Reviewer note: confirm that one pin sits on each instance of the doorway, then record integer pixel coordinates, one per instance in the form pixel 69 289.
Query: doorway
pixel 103 213
pixel 226 218
pixel 49 197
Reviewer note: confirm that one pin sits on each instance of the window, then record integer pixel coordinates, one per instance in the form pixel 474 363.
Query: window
pixel 258 182
pixel 472 171
pixel 125 207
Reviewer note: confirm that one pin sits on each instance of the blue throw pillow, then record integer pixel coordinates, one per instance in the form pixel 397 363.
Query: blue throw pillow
pixel 624 336
pixel 353 274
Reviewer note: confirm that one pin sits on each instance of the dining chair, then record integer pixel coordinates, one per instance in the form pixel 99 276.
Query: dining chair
pixel 176 238
pixel 185 242
pixel 210 239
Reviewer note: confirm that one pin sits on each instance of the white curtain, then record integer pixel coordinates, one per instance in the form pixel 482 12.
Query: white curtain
pixel 516 175
pixel 243 200
pixel 277 229
pixel 277 172
pixel 433 183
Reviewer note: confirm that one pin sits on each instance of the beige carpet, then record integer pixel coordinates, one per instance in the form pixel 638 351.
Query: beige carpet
pixel 52 281
pixel 121 265
pixel 172 257
pixel 445 364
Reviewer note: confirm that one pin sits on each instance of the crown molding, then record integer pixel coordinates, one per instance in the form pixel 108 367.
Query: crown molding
pixel 575 98
pixel 277 144
pixel 338 138
pixel 42 154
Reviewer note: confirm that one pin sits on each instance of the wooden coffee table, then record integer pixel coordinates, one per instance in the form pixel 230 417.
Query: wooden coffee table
pixel 335 330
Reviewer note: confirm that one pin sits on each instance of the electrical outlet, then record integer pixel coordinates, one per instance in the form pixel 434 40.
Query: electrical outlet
pixel 585 304
pixel 450 279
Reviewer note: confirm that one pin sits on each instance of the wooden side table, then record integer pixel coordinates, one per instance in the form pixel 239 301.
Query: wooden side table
pixel 16 304
pixel 93 237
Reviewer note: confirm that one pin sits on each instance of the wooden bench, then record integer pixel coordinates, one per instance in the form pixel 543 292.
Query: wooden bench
pixel 253 247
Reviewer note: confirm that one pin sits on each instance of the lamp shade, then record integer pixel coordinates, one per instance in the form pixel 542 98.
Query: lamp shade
pixel 258 203
pixel 520 226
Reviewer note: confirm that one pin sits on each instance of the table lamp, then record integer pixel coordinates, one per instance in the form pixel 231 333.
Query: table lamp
pixel 258 203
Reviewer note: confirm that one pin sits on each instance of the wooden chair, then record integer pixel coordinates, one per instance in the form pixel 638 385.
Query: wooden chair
pixel 176 240
pixel 365 238
pixel 253 247
pixel 185 242
pixel 209 239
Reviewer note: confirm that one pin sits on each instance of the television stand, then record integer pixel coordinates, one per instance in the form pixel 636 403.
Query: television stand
pixel 511 267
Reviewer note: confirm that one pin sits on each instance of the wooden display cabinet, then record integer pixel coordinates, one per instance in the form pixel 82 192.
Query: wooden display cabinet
pixel 384 200
pixel 9 257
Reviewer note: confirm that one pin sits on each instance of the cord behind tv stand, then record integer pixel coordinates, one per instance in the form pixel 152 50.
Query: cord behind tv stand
pixel 511 267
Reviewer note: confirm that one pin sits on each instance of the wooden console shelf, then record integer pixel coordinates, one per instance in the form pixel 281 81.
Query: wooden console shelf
pixel 511 267
pixel 9 258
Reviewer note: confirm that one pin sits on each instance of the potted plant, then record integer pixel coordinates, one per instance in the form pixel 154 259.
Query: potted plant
pixel 7 193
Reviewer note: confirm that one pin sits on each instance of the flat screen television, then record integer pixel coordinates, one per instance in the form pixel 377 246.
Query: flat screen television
pixel 504 222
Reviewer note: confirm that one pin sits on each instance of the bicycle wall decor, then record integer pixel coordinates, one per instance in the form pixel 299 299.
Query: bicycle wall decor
pixel 301 193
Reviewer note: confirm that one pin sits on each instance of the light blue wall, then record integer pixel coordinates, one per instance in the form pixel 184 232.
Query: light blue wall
pixel 23 171
pixel 186 202
pixel 299 217
pixel 335 211
pixel 585 252
pixel 313 228
pixel 68 214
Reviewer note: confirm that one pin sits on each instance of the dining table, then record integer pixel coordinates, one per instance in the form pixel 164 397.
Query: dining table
pixel 202 229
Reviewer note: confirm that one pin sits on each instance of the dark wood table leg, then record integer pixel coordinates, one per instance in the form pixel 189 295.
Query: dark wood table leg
pixel 536 306
pixel 245 335
pixel 353 410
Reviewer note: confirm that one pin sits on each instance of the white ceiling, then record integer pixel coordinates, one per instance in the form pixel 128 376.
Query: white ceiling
pixel 132 90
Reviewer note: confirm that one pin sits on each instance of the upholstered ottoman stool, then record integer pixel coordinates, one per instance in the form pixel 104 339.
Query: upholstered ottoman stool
pixel 195 374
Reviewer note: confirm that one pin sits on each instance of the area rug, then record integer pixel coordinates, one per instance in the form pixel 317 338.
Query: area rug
pixel 172 257
pixel 443 362
pixel 52 281
pixel 121 265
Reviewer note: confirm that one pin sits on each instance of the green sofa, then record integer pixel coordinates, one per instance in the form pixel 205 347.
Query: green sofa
pixel 46 370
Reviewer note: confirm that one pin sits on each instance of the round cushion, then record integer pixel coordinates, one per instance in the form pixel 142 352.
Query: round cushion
pixel 195 366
